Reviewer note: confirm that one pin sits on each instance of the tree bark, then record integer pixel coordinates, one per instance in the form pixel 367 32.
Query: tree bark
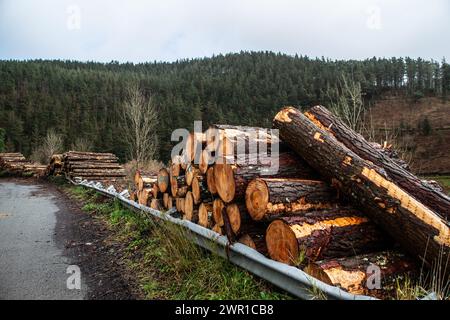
pixel 353 274
pixel 267 198
pixel 323 234
pixel 421 232
pixel 421 190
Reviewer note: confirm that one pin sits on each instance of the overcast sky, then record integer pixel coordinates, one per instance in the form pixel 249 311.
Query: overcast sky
pixel 167 30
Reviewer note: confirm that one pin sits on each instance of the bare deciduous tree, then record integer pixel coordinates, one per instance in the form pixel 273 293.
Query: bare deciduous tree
pixel 52 144
pixel 139 122
pixel 82 144
pixel 347 103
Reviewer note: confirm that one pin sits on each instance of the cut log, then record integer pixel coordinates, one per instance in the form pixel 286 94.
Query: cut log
pixel 210 181
pixel 146 181
pixel 191 172
pixel 255 241
pixel 237 216
pixel 178 186
pixel 144 196
pixel 166 200
pixel 218 229
pixel 163 180
pixel 420 231
pixel 169 203
pixel 205 215
pixel 323 234
pixel 179 204
pixel 351 273
pixel 155 191
pixel 218 206
pixel 190 210
pixel 232 180
pixel 437 201
pixel 269 198
pixel 200 189
pixel 156 204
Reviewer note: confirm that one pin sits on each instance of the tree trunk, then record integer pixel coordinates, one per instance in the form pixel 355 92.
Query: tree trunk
pixel 238 216
pixel 232 180
pixel 163 180
pixel 157 204
pixel 420 231
pixel 200 189
pixel 354 274
pixel 205 215
pixel 191 172
pixel 421 190
pixel 190 209
pixel 218 205
pixel 268 198
pixel 178 186
pixel 321 235
pixel 210 181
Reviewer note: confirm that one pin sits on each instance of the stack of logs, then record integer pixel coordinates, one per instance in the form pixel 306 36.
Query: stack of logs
pixel 91 166
pixel 17 164
pixel 289 208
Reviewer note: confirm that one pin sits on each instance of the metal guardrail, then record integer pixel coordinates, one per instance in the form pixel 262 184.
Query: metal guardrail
pixel 290 279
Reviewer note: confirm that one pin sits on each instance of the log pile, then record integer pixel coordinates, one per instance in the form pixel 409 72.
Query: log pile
pixel 326 206
pixel 17 164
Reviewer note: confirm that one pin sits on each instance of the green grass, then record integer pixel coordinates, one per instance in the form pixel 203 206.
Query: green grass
pixel 443 181
pixel 166 263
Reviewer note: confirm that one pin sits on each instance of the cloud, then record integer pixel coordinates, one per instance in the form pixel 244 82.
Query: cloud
pixel 167 30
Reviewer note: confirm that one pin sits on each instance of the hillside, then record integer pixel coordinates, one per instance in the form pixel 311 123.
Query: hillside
pixel 422 129
pixel 84 100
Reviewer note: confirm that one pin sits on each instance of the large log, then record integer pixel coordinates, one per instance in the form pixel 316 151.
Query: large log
pixel 231 181
pixel 163 180
pixel 420 231
pixel 210 181
pixel 205 215
pixel 421 190
pixel 200 189
pixel 323 234
pixel 178 186
pixel 218 206
pixel 354 274
pixel 268 198
pixel 190 209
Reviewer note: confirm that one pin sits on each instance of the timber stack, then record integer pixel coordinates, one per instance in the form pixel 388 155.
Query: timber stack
pixel 91 166
pixel 17 164
pixel 328 201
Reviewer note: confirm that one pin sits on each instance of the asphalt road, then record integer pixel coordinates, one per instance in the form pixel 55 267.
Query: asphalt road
pixel 32 262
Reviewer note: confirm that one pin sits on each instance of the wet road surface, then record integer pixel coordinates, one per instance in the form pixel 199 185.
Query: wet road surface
pixel 32 263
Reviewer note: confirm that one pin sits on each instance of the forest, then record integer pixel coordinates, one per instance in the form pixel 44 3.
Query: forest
pixel 83 100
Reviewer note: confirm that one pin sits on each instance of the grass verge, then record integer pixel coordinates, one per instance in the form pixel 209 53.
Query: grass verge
pixel 167 265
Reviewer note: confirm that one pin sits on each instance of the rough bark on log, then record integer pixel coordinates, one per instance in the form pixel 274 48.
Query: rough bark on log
pixel 351 273
pixel 420 231
pixel 323 234
pixel 421 190
pixel 163 180
pixel 267 198
pixel 232 180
